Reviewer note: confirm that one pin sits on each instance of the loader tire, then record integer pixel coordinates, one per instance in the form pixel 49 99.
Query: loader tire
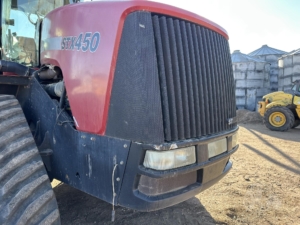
pixel 279 118
pixel 26 196
pixel 296 123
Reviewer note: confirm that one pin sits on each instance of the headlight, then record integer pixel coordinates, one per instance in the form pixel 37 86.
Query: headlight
pixel 165 160
pixel 234 140
pixel 217 147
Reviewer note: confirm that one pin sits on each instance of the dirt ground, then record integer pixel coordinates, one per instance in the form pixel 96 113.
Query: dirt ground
pixel 262 188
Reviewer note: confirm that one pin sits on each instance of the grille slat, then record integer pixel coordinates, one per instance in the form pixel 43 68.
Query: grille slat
pixel 188 72
pixel 197 88
pixel 194 75
pixel 224 74
pixel 227 91
pixel 204 81
pixel 212 65
pixel 220 82
pixel 202 121
pixel 175 68
pixel 216 81
pixel 169 76
pixel 231 82
pixel 162 78
pixel 183 82
pixel 209 83
pixel 227 80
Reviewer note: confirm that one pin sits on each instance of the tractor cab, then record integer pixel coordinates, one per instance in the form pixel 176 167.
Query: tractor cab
pixel 296 88
pixel 21 22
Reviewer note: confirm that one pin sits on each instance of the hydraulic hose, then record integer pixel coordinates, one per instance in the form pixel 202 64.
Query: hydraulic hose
pixel 13 67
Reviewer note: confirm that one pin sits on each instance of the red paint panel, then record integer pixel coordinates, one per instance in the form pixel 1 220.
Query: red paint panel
pixel 89 76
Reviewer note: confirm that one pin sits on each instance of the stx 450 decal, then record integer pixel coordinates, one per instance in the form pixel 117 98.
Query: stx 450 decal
pixel 84 42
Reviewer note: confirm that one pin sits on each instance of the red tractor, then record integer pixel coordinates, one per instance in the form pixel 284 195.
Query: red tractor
pixel 132 102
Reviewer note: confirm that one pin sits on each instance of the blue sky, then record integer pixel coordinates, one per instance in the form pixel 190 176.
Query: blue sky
pixel 251 23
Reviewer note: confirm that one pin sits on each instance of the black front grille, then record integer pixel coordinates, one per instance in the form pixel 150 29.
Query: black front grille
pixel 196 79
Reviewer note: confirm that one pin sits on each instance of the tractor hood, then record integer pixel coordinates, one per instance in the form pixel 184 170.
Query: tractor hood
pixel 270 95
pixel 279 97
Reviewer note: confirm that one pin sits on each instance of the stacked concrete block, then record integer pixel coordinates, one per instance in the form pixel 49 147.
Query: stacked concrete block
pixel 251 77
pixel 289 70
pixel 271 56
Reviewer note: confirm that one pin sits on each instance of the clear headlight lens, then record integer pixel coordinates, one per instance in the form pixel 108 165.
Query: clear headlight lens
pixel 217 147
pixel 165 160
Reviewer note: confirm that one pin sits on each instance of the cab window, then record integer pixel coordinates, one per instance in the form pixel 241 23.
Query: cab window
pixel 20 28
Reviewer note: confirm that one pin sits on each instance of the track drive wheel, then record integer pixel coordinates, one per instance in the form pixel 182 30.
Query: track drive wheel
pixel 279 118
pixel 26 196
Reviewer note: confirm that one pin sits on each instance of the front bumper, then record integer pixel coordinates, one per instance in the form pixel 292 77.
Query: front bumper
pixel 147 189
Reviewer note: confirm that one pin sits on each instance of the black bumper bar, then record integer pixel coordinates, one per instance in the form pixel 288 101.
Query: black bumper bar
pixel 146 189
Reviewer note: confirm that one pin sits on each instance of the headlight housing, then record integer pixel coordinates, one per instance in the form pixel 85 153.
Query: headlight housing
pixel 234 140
pixel 165 160
pixel 217 147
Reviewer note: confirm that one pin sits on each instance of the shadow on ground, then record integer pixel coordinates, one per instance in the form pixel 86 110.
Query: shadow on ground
pixel 278 155
pixel 287 135
pixel 77 207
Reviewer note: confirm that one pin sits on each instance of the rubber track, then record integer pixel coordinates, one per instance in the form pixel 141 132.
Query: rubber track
pixel 26 196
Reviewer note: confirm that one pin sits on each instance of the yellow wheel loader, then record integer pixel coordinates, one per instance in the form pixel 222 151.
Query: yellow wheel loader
pixel 281 110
